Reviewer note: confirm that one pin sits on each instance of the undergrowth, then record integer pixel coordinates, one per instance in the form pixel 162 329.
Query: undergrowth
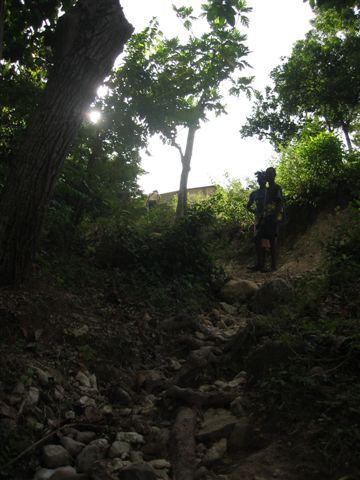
pixel 318 383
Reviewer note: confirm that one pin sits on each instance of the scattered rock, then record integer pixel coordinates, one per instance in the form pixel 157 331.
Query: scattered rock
pixel 237 407
pixel 240 379
pixel 272 293
pixel 55 456
pixel 149 380
pixel 93 381
pixel 240 435
pixel 68 473
pixel 43 474
pixel 238 290
pixel 157 442
pixel 42 375
pixel 136 457
pixel 19 389
pixel 201 473
pixel 59 392
pixel 102 470
pixel 34 424
pixel 107 409
pixel 72 446
pixel 216 452
pixel 124 412
pixel 217 425
pixel 119 449
pixel 33 396
pixel 137 471
pixel 79 332
pixel 121 396
pixel 115 464
pixel 48 376
pixel 228 308
pixel 162 474
pixel 160 463
pixel 83 379
pixel 174 364
pixel 7 411
pixel 96 450
pixel 130 437
pixel 69 432
pixel 85 437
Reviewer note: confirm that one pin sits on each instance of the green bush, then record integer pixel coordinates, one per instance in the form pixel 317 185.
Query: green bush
pixel 227 205
pixel 310 165
pixel 343 252
pixel 178 249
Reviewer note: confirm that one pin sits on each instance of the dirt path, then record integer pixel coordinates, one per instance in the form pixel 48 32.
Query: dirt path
pixel 302 256
pixel 160 381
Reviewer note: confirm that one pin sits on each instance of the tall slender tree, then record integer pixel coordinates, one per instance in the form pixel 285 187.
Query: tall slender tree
pixel 174 84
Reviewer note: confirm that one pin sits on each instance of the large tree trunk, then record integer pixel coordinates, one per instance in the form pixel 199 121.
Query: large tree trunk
pixel 2 22
pixel 88 39
pixel 185 160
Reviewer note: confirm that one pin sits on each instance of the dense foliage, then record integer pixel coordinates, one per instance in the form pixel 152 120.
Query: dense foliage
pixel 320 79
pixel 310 164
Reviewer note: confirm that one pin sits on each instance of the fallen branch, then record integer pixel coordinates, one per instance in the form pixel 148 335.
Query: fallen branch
pixel 182 445
pixel 200 399
pixel 42 440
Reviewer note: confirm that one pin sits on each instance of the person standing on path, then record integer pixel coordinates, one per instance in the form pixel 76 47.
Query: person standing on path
pixel 273 214
pixel 153 199
pixel 258 197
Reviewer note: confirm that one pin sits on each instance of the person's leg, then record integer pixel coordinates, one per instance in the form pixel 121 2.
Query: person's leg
pixel 273 252
pixel 257 245
pixel 256 266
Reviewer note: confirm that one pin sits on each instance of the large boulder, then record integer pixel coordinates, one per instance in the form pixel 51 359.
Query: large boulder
pixel 96 450
pixel 271 294
pixel 238 290
pixel 218 423
pixel 55 456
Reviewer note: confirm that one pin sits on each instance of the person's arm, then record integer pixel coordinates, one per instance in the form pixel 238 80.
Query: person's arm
pixel 250 203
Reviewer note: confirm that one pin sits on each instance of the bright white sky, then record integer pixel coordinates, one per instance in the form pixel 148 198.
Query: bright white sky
pixel 274 26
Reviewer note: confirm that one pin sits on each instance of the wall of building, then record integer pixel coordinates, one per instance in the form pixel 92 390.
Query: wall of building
pixel 203 192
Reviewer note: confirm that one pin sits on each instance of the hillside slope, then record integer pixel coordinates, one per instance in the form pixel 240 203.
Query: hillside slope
pixel 111 390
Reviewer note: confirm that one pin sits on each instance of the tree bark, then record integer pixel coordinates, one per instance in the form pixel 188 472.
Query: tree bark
pixel 88 40
pixel 185 160
pixel 347 138
pixel 2 23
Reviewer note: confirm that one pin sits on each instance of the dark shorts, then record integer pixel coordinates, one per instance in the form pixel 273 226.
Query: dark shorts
pixel 269 228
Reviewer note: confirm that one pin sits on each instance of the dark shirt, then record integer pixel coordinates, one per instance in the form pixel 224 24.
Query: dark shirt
pixel 258 197
pixel 274 202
